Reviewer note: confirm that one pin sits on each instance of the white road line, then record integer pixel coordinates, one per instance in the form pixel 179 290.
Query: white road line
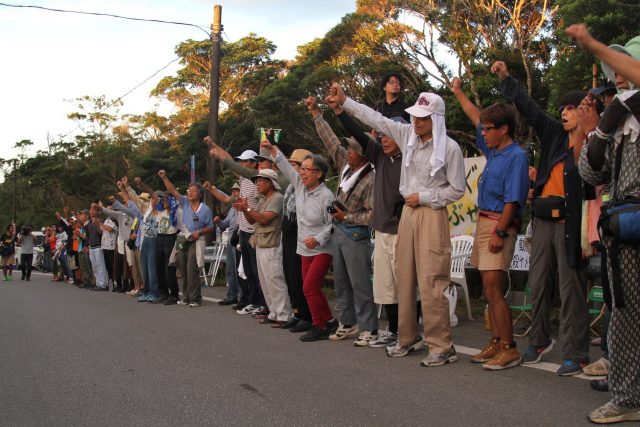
pixel 543 366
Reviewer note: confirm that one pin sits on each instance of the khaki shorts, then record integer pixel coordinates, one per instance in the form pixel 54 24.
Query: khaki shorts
pixel 481 257
pixel 384 273
pixel 6 261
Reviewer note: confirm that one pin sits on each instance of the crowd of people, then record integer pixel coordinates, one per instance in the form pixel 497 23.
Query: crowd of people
pixel 286 228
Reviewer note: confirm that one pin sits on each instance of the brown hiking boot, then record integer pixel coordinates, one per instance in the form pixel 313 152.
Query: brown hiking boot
pixel 487 353
pixel 507 357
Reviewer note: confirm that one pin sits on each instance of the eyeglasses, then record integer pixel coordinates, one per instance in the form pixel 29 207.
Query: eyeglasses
pixel 305 170
pixel 393 82
pixel 488 128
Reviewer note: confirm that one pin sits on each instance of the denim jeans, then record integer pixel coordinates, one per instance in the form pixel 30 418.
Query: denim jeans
pixel 148 264
pixel 231 270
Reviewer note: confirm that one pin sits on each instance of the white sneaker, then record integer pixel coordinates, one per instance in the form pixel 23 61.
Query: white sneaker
pixel 343 332
pixel 248 309
pixel 365 339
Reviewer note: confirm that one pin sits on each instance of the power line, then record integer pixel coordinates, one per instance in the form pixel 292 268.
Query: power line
pixel 126 93
pixel 161 21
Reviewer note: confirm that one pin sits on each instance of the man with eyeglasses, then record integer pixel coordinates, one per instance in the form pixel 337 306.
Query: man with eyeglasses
pixel 557 216
pixel 392 105
pixel 197 219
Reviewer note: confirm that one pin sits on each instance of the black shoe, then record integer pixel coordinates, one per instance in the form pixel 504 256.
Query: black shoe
pixel 121 290
pixel 22 278
pixel 599 385
pixel 302 326
pixel 315 334
pixel 170 301
pixel 238 306
pixel 226 301
pixel 290 324
pixel 332 325
pixel 99 289
pixel 28 279
pixel 115 289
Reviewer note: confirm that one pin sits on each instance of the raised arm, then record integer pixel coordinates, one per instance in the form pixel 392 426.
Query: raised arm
pixel 168 184
pixel 533 115
pixel 399 132
pixel 469 108
pixel 144 187
pixel 282 163
pixel 218 194
pixel 329 139
pixel 625 65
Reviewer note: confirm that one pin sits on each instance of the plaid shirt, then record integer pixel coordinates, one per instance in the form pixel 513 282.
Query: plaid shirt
pixel 359 202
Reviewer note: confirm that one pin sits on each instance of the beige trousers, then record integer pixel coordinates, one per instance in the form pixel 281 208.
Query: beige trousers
pixel 384 270
pixel 274 288
pixel 423 261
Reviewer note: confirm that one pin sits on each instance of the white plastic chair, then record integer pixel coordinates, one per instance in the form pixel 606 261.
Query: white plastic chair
pixel 460 252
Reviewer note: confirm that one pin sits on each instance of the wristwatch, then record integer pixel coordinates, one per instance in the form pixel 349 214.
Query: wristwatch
pixel 501 233
pixel 248 210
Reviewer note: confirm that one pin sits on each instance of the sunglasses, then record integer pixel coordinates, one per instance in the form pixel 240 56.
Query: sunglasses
pixel 567 107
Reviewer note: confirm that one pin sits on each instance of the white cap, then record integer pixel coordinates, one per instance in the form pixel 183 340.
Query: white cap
pixel 426 105
pixel 247 155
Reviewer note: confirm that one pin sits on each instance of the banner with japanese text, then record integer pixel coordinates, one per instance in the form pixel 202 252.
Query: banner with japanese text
pixel 463 214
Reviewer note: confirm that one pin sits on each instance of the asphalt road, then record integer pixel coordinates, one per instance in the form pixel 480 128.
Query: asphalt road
pixel 71 357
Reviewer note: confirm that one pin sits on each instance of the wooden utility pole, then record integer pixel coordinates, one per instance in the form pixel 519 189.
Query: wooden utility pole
pixel 214 99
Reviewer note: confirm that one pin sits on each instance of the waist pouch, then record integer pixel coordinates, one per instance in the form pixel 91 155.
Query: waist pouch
pixel 621 220
pixel 550 208
pixel 354 232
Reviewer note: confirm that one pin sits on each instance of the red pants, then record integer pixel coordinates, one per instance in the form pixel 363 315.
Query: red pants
pixel 314 268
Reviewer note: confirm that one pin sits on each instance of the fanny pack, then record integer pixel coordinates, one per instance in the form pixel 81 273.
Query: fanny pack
pixel 621 220
pixel 354 232
pixel 550 208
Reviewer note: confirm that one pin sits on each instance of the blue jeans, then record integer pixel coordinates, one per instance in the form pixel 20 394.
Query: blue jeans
pixel 149 269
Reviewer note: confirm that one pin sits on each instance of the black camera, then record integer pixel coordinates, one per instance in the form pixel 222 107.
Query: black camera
pixel 336 204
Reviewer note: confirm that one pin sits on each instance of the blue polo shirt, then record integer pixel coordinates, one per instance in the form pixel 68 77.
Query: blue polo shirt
pixel 199 219
pixel 505 178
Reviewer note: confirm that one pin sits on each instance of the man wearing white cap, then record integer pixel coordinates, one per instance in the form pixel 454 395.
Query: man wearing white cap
pixel 267 218
pixel 252 301
pixel 432 177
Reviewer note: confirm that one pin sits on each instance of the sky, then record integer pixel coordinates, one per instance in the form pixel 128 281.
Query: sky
pixel 50 58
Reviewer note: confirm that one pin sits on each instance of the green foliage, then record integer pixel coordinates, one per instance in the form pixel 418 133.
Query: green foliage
pixel 610 21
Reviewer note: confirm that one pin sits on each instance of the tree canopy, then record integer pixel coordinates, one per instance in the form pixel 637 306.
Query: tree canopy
pixel 427 42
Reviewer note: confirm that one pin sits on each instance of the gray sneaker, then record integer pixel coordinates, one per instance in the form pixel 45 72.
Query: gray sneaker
pixel 439 359
pixel 385 339
pixel 612 413
pixel 397 350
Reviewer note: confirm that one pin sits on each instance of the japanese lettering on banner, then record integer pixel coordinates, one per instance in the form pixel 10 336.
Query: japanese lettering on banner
pixel 463 214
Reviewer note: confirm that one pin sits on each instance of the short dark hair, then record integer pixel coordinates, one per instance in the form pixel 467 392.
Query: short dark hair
pixel 500 114
pixel 387 77
pixel 320 163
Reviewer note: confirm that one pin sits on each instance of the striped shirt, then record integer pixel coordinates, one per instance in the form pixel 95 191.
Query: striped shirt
pixel 248 192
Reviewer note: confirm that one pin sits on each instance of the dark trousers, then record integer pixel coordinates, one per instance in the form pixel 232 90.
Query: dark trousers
pixel 167 281
pixel 188 264
pixel 292 266
pixel 251 292
pixel 109 260
pixel 26 261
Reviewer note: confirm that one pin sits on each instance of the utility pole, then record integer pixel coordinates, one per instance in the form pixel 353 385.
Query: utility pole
pixel 15 186
pixel 214 99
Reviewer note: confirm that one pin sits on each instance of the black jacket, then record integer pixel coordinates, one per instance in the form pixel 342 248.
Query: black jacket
pixel 554 142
